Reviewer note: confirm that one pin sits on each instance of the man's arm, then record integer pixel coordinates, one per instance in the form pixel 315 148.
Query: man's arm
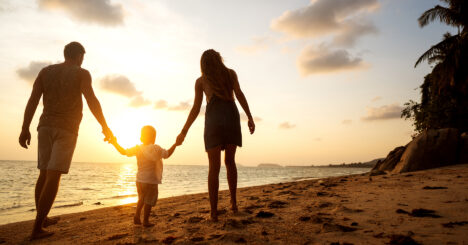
pixel 25 136
pixel 93 103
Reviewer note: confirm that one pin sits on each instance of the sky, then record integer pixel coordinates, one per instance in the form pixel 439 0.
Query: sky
pixel 326 80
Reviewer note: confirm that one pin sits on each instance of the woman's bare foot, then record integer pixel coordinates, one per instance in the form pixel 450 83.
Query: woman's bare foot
pixel 148 224
pixel 40 234
pixel 136 220
pixel 214 216
pixel 50 221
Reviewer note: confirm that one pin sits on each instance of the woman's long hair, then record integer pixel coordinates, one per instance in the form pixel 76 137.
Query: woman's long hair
pixel 217 74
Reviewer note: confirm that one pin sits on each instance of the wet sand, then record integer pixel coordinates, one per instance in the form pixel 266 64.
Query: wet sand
pixel 427 207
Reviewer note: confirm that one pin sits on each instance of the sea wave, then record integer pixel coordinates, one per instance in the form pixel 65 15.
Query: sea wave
pixel 69 205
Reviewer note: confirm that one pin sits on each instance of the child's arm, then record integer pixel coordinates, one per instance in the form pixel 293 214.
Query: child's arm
pixel 119 148
pixel 171 150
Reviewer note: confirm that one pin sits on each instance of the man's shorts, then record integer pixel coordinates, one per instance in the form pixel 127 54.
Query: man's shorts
pixel 55 149
pixel 147 192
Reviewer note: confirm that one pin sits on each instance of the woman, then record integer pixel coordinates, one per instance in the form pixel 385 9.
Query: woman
pixel 222 122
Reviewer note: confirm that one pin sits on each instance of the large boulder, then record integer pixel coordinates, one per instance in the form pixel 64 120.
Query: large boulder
pixel 463 149
pixel 389 163
pixel 431 149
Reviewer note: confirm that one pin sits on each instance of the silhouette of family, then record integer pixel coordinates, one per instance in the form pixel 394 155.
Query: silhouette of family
pixel 62 85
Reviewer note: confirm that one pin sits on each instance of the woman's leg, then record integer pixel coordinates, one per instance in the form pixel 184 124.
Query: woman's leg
pixel 214 157
pixel 231 169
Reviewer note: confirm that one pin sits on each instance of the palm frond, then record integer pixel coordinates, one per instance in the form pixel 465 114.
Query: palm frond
pixel 445 15
pixel 439 50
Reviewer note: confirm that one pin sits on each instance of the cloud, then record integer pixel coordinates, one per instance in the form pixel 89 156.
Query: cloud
pixel 30 72
pixel 318 139
pixel 182 106
pixel 287 125
pixel 347 122
pixel 160 104
pixel 325 17
pixel 376 98
pixel 383 113
pixel 324 60
pixel 244 117
pixel 139 101
pixel 119 84
pixel 352 31
pixel 258 44
pixel 101 12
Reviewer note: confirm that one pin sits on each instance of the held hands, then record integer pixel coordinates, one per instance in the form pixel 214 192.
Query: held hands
pixel 25 138
pixel 180 139
pixel 108 135
pixel 251 125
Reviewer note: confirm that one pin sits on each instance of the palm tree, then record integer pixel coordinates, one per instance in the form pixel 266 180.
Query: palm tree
pixel 456 15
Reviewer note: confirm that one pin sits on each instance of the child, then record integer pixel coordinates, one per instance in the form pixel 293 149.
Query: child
pixel 150 168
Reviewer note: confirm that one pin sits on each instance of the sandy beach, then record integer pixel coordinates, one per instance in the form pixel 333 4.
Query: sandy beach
pixel 426 207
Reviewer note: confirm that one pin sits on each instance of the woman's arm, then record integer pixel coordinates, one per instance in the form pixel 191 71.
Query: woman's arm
pixel 243 102
pixel 194 111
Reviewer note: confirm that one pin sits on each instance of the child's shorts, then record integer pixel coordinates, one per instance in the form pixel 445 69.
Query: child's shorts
pixel 147 192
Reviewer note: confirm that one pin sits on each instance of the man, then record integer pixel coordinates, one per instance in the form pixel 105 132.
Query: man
pixel 62 86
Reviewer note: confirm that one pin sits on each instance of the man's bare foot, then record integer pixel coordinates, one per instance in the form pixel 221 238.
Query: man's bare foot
pixel 148 224
pixel 41 234
pixel 136 220
pixel 50 221
pixel 234 208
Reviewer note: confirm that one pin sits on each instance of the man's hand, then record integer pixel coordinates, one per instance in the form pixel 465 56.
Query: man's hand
pixel 108 135
pixel 25 138
pixel 251 125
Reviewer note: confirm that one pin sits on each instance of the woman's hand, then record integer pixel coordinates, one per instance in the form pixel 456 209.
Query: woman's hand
pixel 251 125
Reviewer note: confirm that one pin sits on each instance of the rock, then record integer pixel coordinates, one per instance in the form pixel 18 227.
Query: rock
pixel 431 149
pixel 389 163
pixel 277 204
pixel 304 218
pixel 97 203
pixel 402 240
pixel 463 149
pixel 434 187
pixel 233 223
pixel 328 227
pixel 169 240
pixel 419 212
pixel 264 214
pixel 197 239
pixel 194 219
pixel 375 173
pixel 452 224
pixel 82 218
pixel 118 236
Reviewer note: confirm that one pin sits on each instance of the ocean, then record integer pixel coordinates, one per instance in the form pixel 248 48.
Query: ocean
pixel 96 185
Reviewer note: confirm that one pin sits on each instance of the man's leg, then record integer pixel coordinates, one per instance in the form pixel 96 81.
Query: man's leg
pixel 46 199
pixel 37 194
pixel 39 186
pixel 152 194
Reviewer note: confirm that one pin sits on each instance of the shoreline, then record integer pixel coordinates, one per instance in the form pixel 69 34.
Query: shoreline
pixel 61 206
pixel 353 209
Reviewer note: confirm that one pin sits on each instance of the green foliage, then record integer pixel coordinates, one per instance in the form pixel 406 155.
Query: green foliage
pixel 444 92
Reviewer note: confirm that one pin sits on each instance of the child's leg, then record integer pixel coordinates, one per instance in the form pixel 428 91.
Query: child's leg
pixel 140 204
pixel 151 199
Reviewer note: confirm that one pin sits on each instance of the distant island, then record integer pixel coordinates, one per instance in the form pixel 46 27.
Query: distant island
pixel 269 165
pixel 369 164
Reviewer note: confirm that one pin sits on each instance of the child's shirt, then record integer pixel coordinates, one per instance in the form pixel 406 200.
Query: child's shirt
pixel 149 161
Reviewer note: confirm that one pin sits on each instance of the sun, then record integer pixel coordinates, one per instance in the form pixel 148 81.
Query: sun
pixel 127 127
